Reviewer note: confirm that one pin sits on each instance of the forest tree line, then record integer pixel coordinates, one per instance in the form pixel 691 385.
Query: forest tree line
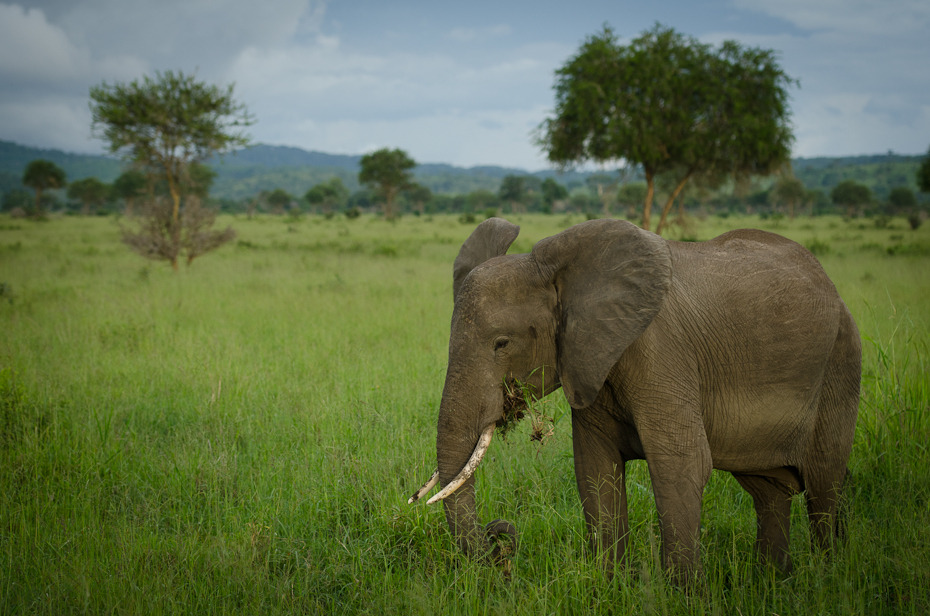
pixel 890 187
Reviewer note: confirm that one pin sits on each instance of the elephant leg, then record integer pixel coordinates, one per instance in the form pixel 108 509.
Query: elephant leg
pixel 825 470
pixel 600 475
pixel 679 472
pixel 771 494
pixel 824 491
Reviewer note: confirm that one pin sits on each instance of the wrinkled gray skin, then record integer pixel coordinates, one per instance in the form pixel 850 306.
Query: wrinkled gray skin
pixel 736 354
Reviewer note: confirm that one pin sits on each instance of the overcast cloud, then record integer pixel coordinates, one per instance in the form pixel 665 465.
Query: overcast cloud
pixel 463 84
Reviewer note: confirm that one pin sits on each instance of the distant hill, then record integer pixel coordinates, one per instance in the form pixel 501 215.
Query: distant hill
pixel 247 172
pixel 15 157
pixel 244 173
pixel 880 172
pixel 283 156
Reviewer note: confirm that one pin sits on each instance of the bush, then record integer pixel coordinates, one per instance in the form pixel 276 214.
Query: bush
pixel 882 221
pixel 818 247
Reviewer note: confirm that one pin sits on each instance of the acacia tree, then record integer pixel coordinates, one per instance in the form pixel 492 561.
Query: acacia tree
pixel 790 191
pixel 129 186
pixel 279 200
pixel 41 175
pixel 164 125
pixel 387 172
pixel 604 185
pixel 923 174
pixel 671 105
pixel 419 196
pixel 328 195
pixel 852 195
pixel 513 191
pixel 90 192
pixel 553 193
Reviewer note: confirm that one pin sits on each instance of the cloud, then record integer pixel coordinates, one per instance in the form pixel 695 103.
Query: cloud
pixel 859 92
pixel 57 123
pixel 459 137
pixel 854 17
pixel 448 83
pixel 33 50
pixel 472 35
pixel 323 96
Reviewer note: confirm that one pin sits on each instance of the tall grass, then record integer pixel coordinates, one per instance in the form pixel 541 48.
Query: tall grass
pixel 241 437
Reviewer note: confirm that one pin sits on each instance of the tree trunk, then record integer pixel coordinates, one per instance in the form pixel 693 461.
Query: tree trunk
pixel 671 202
pixel 38 212
pixel 389 204
pixel 175 221
pixel 650 193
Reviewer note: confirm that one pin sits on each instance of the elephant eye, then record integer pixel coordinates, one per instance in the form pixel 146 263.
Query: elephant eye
pixel 501 343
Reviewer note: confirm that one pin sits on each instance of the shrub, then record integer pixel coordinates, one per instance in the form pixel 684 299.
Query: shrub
pixel 818 246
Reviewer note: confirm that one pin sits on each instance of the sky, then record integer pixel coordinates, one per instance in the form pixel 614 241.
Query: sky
pixel 463 83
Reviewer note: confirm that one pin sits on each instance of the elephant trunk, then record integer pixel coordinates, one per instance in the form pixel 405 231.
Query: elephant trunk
pixel 454 455
pixel 460 445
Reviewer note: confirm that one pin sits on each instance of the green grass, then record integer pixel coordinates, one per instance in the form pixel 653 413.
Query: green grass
pixel 242 436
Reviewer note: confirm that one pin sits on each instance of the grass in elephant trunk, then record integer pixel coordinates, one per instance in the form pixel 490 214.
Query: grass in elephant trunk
pixel 519 399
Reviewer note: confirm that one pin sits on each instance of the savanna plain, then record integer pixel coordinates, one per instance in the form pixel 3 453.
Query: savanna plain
pixel 241 436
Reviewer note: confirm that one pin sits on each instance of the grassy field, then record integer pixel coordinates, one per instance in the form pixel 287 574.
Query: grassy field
pixel 242 436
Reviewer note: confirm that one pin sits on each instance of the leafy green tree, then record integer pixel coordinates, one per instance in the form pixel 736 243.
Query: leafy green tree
pixel 902 198
pixel 553 193
pixel 789 191
pixel 329 195
pixel 164 125
pixel 129 186
pixel 279 200
pixel 631 193
pixel 923 174
pixel 16 201
pixel 670 105
pixel 90 192
pixel 604 185
pixel 582 200
pixel 419 196
pixel 481 200
pixel 513 191
pixel 852 195
pixel 41 175
pixel 387 172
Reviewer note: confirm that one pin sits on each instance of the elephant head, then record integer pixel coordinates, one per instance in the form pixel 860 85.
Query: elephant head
pixel 561 315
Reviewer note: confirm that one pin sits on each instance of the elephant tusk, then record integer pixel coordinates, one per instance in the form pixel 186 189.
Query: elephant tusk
pixel 426 488
pixel 469 469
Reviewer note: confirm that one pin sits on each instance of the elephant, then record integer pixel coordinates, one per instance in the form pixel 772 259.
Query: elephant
pixel 736 354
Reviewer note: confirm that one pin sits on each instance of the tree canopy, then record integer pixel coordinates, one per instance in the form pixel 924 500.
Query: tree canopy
pixel 387 172
pixel 671 105
pixel 41 175
pixel 165 125
pixel 789 190
pixel 851 194
pixel 513 191
pixel 89 192
pixel 328 195
pixel 129 186
pixel 923 174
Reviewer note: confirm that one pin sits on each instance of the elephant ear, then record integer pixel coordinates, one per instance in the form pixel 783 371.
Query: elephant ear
pixel 490 239
pixel 611 278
